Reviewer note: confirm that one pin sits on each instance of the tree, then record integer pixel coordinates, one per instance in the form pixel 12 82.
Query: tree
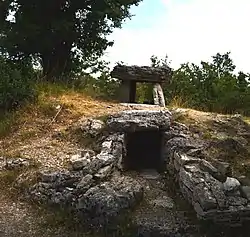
pixel 158 62
pixel 62 34
pixel 211 86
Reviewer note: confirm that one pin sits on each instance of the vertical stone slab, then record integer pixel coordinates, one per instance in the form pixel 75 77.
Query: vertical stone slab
pixel 132 92
pixel 158 95
pixel 124 91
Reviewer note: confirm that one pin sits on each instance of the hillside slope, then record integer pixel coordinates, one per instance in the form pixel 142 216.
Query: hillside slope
pixel 46 133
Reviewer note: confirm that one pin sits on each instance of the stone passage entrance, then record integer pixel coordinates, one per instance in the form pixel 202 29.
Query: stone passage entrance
pixel 144 150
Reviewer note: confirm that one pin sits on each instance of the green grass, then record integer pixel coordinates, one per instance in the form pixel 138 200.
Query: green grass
pixel 53 89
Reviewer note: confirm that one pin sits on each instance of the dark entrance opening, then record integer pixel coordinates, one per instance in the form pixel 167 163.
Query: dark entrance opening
pixel 144 150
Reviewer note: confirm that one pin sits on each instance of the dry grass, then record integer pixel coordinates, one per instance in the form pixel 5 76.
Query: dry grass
pixel 53 112
pixel 29 132
pixel 178 102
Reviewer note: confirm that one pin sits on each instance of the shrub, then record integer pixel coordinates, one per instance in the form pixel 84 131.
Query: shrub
pixel 16 84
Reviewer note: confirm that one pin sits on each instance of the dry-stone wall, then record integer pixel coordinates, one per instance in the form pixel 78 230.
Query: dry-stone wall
pixel 96 188
pixel 91 187
pixel 213 194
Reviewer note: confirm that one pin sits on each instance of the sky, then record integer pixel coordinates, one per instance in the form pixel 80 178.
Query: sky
pixel 185 30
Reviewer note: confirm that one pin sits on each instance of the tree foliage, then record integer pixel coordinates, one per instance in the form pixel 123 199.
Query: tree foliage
pixel 211 86
pixel 64 35
pixel 16 84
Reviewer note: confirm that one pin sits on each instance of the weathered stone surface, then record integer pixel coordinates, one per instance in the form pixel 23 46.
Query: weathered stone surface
pixel 13 163
pixel 245 191
pixel 158 95
pixel 231 185
pixel 204 197
pixel 183 144
pixel 87 153
pixel 92 127
pixel 181 159
pixel 144 73
pixel 245 181
pixel 104 172
pixel 176 130
pixel 224 169
pixel 217 190
pixel 48 177
pixel 77 162
pixel 189 179
pixel 237 201
pixel 139 120
pixel 60 179
pixel 107 200
pixel 208 167
pixel 85 183
pixel 100 193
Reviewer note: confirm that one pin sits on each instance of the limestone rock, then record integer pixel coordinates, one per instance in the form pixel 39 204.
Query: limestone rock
pixel 158 95
pixel 223 167
pixel 87 153
pixel 217 190
pixel 245 181
pixel 139 120
pixel 85 183
pixel 92 127
pixel 104 172
pixel 237 201
pixel 77 162
pixel 181 159
pixel 107 200
pixel 231 185
pixel 48 177
pixel 204 197
pixel 183 144
pixel 13 163
pixel 208 167
pixel 142 73
pixel 245 191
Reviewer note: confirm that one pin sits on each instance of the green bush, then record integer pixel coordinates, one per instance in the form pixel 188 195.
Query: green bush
pixel 16 84
pixel 102 87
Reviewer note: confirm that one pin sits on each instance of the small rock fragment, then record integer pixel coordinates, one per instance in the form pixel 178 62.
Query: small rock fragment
pixel 78 162
pixel 231 185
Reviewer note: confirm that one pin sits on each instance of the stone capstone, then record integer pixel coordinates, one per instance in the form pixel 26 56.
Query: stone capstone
pixel 139 120
pixel 143 73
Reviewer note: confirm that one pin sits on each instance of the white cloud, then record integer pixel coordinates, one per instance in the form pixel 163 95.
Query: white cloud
pixel 189 31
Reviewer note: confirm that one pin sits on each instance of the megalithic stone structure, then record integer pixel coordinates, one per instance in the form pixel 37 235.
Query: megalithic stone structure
pixel 130 75
pixel 158 95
